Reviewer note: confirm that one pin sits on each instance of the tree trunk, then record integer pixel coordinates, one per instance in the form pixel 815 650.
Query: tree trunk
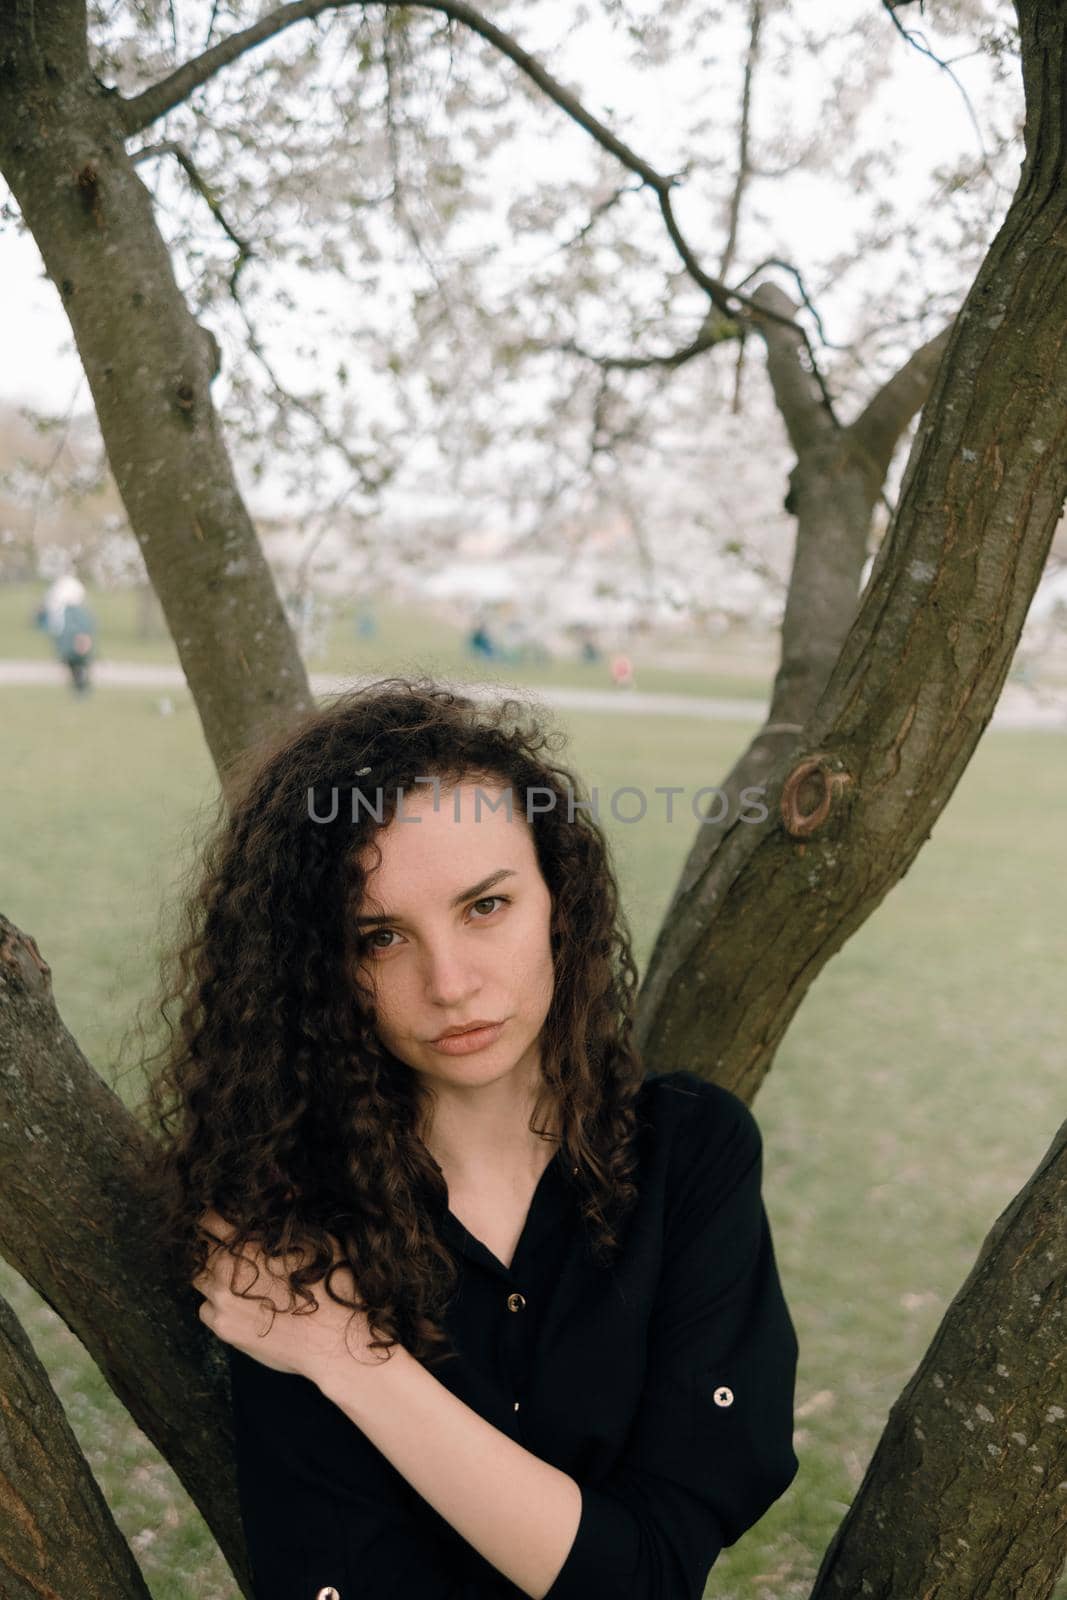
pixel 837 481
pixel 964 1495
pixel 75 1224
pixel 859 787
pixel 150 623
pixel 149 367
pixel 61 1540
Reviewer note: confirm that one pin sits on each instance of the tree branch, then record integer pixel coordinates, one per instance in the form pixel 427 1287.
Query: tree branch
pixel 368 470
pixel 399 192
pixel 796 393
pixel 918 43
pixel 838 476
pixel 161 97
pixel 597 212
pixel 877 430
pixel 172 147
pixel 744 129
pixel 716 330
pixel 805 298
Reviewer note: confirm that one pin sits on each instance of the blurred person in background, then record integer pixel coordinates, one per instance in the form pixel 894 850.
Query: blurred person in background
pixel 70 625
pixel 622 672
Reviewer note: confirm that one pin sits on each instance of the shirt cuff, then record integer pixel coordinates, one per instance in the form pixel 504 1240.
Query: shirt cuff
pixel 605 1558
pixel 605 1552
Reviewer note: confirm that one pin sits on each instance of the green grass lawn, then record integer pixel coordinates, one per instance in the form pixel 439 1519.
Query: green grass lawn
pixel 915 1093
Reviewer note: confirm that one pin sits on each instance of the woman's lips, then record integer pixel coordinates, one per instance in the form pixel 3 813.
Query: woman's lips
pixel 462 1044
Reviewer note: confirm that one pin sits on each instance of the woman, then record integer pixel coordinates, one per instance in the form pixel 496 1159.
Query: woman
pixel 501 1312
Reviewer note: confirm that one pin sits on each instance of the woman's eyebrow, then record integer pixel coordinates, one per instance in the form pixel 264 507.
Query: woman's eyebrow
pixel 457 900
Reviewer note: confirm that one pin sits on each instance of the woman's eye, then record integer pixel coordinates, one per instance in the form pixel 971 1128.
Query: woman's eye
pixel 488 901
pixel 491 900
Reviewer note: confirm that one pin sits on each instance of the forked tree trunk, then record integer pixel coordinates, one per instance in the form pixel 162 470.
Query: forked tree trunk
pixel 838 479
pixel 907 700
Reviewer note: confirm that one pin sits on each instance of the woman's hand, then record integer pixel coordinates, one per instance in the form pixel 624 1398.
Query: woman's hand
pixel 313 1343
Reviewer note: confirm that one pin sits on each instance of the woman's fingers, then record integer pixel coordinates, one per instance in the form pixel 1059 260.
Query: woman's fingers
pixel 216 1227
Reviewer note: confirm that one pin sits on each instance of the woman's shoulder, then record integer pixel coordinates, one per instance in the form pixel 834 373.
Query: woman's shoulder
pixel 699 1118
pixel 683 1095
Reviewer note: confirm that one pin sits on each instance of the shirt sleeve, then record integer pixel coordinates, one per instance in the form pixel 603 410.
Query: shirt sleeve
pixel 710 1448
pixel 320 1506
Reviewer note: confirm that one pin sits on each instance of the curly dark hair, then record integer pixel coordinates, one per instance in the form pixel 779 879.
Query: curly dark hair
pixel 275 1104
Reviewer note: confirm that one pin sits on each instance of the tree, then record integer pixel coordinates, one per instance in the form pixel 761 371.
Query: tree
pixel 488 374
pixel 881 726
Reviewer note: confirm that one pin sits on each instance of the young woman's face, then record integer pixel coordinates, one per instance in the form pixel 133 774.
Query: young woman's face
pixel 443 947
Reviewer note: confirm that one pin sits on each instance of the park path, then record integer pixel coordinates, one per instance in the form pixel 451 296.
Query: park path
pixel 1018 706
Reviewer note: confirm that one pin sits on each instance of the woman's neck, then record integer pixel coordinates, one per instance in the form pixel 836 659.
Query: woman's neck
pixel 480 1142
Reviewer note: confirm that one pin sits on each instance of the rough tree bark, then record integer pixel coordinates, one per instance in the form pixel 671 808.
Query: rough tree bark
pixel 92 1560
pixel 74 1224
pixel 838 479
pixel 964 1494
pixel 149 366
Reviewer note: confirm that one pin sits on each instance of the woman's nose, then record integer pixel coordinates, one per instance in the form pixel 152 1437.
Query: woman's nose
pixel 449 976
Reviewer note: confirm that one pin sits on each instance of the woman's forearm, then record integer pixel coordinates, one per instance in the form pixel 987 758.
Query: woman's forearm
pixel 519 1512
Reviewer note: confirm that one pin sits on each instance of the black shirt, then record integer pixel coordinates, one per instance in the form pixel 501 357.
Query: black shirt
pixel 662 1382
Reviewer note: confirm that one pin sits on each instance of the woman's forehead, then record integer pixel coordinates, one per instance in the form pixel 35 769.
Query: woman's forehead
pixel 446 841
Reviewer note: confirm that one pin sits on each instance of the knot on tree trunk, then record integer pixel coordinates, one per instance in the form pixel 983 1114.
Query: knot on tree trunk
pixel 21 960
pixel 812 793
pixel 88 185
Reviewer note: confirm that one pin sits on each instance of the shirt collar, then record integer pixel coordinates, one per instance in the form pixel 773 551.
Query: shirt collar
pixel 550 1209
